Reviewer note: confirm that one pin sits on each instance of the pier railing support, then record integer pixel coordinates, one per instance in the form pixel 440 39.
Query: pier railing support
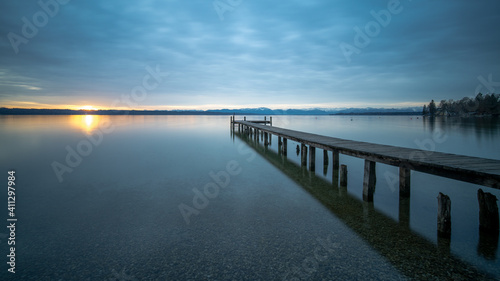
pixel 369 181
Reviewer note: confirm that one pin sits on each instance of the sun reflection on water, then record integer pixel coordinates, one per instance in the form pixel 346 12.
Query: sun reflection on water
pixel 88 123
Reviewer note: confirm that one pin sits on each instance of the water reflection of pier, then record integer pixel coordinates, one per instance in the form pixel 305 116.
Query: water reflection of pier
pixel 410 253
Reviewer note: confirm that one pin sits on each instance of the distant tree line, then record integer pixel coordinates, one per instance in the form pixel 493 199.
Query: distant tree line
pixel 481 105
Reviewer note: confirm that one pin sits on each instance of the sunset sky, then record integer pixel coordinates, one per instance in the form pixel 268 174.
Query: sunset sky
pixel 204 54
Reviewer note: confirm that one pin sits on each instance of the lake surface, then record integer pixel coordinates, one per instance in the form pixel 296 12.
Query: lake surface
pixel 184 198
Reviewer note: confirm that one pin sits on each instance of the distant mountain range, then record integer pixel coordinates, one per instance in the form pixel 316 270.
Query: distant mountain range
pixel 242 111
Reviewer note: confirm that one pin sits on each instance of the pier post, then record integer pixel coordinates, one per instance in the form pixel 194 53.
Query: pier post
pixel 303 153
pixel 270 120
pixel 369 181
pixel 444 216
pixel 284 146
pixel 343 175
pixel 279 141
pixel 404 181
pixel 244 118
pixel 312 158
pixel 488 212
pixel 266 139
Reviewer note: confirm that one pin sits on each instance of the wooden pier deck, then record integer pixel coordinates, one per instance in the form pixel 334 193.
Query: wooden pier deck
pixel 475 170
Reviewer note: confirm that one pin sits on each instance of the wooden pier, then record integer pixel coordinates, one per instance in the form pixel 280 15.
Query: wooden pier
pixel 414 256
pixel 475 170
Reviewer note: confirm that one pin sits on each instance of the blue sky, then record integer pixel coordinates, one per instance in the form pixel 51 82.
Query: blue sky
pixel 242 53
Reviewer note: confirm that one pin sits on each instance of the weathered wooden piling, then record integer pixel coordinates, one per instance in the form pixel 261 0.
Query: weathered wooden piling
pixel 343 175
pixel 369 181
pixel 270 120
pixel 404 181
pixel 444 216
pixel 488 212
pixel 312 158
pixel 266 139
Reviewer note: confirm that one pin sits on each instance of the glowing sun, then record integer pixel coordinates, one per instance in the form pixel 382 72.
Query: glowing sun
pixel 88 107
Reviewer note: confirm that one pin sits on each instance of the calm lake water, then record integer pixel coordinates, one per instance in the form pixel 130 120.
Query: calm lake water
pixel 184 198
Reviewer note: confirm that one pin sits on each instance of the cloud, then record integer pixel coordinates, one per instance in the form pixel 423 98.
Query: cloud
pixel 263 53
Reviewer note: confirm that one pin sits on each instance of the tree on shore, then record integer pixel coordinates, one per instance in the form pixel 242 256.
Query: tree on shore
pixel 432 108
pixel 480 105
